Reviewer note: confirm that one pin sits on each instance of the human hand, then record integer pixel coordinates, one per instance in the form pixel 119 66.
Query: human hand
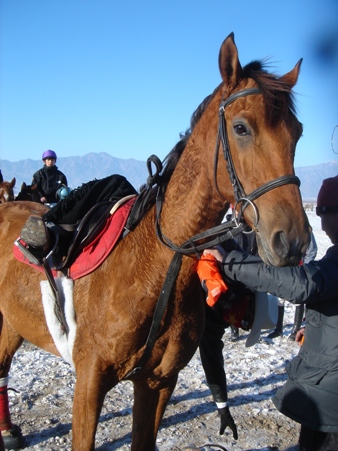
pixel 227 420
pixel 217 252
pixel 300 336
pixel 43 200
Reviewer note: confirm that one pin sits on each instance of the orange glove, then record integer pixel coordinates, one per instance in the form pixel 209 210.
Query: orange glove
pixel 210 276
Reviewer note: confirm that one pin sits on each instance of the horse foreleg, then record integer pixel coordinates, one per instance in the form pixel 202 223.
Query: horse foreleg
pixel 10 341
pixel 90 390
pixel 150 402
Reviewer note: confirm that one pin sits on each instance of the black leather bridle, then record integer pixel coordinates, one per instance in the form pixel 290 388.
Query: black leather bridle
pixel 239 193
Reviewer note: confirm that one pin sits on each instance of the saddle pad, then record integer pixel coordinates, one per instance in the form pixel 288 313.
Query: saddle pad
pixel 97 251
pixel 23 259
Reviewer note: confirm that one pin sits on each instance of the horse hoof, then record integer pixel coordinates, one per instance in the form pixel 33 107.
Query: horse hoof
pixel 13 438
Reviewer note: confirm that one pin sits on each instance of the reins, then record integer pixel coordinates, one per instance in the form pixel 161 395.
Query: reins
pixel 208 238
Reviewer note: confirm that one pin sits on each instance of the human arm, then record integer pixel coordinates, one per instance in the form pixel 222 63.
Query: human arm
pixel 211 353
pixel 37 180
pixel 311 252
pixel 63 179
pixel 307 283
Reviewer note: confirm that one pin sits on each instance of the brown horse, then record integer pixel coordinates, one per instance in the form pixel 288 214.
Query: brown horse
pixel 252 113
pixel 6 191
pixel 28 192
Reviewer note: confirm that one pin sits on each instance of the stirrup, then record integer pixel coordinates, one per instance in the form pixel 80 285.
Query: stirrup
pixel 35 234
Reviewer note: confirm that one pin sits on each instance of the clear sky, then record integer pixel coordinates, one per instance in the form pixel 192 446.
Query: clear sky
pixel 124 77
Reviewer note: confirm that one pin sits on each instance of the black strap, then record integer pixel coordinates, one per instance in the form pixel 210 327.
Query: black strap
pixel 58 310
pixel 142 202
pixel 162 303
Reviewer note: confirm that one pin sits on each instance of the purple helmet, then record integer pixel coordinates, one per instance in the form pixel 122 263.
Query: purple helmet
pixel 49 154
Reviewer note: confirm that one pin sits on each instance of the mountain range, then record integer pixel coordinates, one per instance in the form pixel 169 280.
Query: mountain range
pixel 92 166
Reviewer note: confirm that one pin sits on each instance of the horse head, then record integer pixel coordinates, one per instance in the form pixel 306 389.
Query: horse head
pixel 259 141
pixel 248 131
pixel 28 192
pixel 6 191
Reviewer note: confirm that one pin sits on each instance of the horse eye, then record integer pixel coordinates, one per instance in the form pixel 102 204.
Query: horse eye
pixel 240 130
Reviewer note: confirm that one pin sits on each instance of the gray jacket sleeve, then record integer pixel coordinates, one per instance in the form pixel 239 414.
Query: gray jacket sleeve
pixel 311 282
pixel 311 250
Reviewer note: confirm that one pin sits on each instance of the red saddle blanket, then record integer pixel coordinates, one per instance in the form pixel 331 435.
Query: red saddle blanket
pixel 94 254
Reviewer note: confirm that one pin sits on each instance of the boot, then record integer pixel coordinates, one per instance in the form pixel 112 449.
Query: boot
pixel 13 438
pixel 35 234
pixel 299 312
pixel 278 332
pixel 234 333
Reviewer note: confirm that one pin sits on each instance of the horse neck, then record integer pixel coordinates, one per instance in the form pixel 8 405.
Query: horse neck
pixel 191 202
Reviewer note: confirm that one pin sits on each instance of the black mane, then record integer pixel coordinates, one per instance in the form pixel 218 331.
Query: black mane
pixel 278 96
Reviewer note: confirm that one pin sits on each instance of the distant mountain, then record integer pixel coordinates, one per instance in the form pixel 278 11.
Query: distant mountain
pixel 311 178
pixel 92 166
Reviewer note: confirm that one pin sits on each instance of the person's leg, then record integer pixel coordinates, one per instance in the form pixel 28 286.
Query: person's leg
pixel 299 313
pixel 234 333
pixel 278 332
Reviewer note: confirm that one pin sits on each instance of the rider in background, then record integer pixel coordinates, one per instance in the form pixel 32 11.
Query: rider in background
pixel 49 179
pixel 1 177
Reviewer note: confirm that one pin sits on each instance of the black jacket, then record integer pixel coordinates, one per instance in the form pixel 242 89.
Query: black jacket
pixel 310 396
pixel 49 180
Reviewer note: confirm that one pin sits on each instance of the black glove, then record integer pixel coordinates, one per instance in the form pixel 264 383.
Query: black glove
pixel 227 420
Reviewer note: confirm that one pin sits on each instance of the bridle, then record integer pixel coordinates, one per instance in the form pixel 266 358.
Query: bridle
pixel 239 193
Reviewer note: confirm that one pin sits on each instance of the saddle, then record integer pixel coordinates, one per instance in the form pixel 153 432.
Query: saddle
pixel 64 243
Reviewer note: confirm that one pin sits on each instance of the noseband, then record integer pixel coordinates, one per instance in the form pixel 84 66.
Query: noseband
pixel 239 193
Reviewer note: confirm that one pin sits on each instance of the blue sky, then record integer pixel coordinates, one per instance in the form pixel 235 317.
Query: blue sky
pixel 124 77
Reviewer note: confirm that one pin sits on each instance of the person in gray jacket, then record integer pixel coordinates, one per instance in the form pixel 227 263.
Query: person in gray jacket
pixel 310 395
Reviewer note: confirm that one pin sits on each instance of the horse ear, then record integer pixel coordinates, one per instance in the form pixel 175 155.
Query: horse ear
pixel 13 182
pixel 291 77
pixel 23 186
pixel 228 62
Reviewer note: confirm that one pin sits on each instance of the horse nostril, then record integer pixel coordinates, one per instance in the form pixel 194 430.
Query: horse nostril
pixel 288 251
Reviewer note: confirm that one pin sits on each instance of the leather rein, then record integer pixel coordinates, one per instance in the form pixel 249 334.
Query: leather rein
pixel 210 237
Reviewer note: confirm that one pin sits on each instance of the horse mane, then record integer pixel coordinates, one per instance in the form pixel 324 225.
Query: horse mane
pixel 171 160
pixel 278 96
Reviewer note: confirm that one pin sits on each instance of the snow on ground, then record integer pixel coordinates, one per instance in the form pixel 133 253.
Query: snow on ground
pixel 43 404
